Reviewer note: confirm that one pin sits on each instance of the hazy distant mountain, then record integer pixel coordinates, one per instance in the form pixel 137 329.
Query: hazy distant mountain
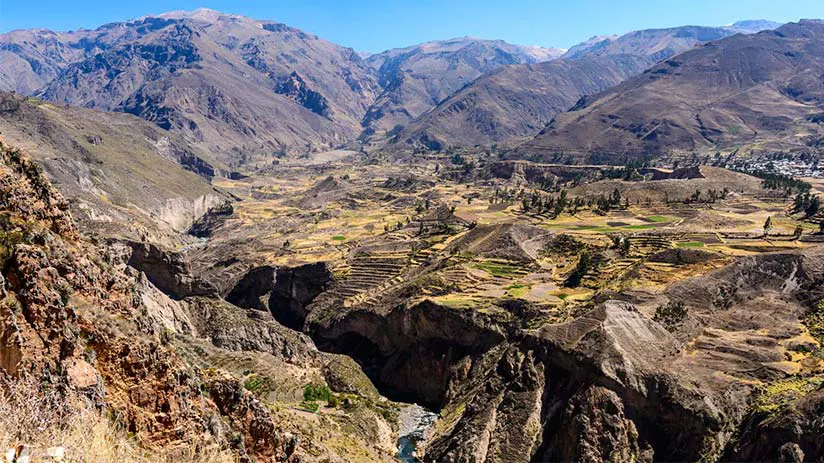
pixel 656 44
pixel 660 44
pixel 516 101
pixel 417 78
pixel 751 26
pixel 759 91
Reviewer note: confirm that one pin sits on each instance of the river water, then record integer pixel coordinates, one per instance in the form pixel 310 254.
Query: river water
pixel 415 421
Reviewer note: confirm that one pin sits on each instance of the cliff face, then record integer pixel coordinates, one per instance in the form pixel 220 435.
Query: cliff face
pixel 171 372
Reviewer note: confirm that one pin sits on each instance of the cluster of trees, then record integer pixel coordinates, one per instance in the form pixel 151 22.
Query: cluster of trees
pixel 555 205
pixel 607 203
pixel 671 315
pixel 712 195
pixel 550 204
pixel 775 181
pixel 627 172
pixel 807 203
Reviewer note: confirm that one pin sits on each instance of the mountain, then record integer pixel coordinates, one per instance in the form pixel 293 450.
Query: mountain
pixel 516 100
pixel 236 87
pixel 30 59
pixel 761 91
pixel 243 89
pixel 415 79
pixel 660 44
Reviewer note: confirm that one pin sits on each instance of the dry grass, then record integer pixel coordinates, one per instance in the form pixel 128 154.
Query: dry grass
pixel 42 417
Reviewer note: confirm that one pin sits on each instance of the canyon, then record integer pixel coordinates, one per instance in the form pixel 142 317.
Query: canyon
pixel 227 239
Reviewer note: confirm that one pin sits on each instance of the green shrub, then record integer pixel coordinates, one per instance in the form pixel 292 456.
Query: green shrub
pixel 254 383
pixel 313 392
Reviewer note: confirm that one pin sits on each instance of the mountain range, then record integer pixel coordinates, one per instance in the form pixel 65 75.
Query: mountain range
pixel 246 91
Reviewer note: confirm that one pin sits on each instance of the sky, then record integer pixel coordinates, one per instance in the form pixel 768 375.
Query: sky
pixel 372 26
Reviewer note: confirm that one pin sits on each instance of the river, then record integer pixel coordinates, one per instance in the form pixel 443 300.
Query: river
pixel 415 421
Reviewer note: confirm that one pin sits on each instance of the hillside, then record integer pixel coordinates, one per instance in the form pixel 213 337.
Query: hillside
pixel 101 362
pixel 758 91
pixel 515 101
pixel 126 177
pixel 417 78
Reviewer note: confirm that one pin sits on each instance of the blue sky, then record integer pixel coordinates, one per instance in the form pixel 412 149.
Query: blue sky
pixel 370 25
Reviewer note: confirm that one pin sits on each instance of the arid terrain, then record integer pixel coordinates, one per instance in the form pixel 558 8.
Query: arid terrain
pixel 224 239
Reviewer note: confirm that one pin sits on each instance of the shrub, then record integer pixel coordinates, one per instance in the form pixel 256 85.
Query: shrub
pixel 313 392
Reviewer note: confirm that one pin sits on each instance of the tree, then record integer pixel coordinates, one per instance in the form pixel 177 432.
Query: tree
pixel 615 199
pixel 813 206
pixel 574 278
pixel 767 226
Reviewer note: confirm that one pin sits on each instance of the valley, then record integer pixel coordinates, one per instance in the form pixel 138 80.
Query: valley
pixel 225 239
pixel 430 266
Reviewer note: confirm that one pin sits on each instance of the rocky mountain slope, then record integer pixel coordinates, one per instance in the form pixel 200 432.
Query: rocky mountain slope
pixel 759 90
pixel 518 101
pixel 236 87
pixel 241 89
pixel 515 101
pixel 415 79
pixel 246 91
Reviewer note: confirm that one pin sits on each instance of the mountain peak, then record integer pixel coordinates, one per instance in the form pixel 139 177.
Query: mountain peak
pixel 751 26
pixel 200 14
